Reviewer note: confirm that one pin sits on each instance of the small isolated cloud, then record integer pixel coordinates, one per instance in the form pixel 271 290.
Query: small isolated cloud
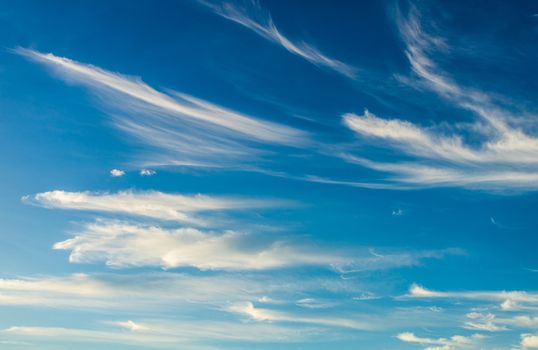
pixel 117 173
pixel 130 325
pixel 147 172
pixel 397 212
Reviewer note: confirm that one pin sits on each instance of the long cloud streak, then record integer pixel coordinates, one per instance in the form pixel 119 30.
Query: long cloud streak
pixel 253 17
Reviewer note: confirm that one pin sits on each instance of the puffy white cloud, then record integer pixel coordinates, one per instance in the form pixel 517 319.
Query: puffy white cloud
pixel 529 341
pixel 117 173
pixel 121 244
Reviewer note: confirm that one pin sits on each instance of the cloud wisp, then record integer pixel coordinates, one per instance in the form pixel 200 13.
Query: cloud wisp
pixel 417 291
pixel 261 314
pixel 252 16
pixel 154 290
pixel 148 204
pixel 190 131
pixel 495 152
pixel 217 299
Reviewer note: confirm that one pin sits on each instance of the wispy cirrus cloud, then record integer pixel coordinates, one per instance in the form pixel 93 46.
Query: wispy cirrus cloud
pixel 261 314
pixel 188 131
pixel 187 334
pixel 216 299
pixel 149 204
pixel 251 15
pixel 85 335
pixel 495 152
pixel 159 289
pixel 418 291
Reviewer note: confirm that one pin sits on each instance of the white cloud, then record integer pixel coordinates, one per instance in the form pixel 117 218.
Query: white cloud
pixel 121 244
pixel 185 334
pixel 156 290
pixel 147 172
pixel 514 296
pixel 261 314
pixel 84 335
pixel 258 20
pixel 186 131
pixel 454 342
pixel 483 322
pixel 151 204
pixel 446 160
pixel 117 173
pixel 529 341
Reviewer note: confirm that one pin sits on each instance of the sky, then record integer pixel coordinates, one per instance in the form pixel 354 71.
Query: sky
pixel 207 174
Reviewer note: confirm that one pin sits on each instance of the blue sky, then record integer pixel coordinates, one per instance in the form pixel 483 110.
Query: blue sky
pixel 268 175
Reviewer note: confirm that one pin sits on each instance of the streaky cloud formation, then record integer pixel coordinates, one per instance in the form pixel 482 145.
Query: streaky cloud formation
pixel 190 131
pixel 150 204
pixel 261 314
pixel 121 244
pixel 187 334
pixel 92 335
pixel 513 296
pixel 252 16
pixel 497 154
pixel 159 289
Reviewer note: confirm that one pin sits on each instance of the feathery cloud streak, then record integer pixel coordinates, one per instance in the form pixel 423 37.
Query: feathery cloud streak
pixel 150 204
pixel 253 17
pixel 190 130
pixel 420 292
pixel 261 314
pixel 495 153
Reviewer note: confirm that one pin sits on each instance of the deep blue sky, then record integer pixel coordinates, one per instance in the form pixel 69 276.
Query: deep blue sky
pixel 289 175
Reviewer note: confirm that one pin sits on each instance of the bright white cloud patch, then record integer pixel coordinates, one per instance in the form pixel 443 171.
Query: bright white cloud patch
pixel 117 173
pixel 120 244
pixel 151 204
pixel 252 16
pixel 529 341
